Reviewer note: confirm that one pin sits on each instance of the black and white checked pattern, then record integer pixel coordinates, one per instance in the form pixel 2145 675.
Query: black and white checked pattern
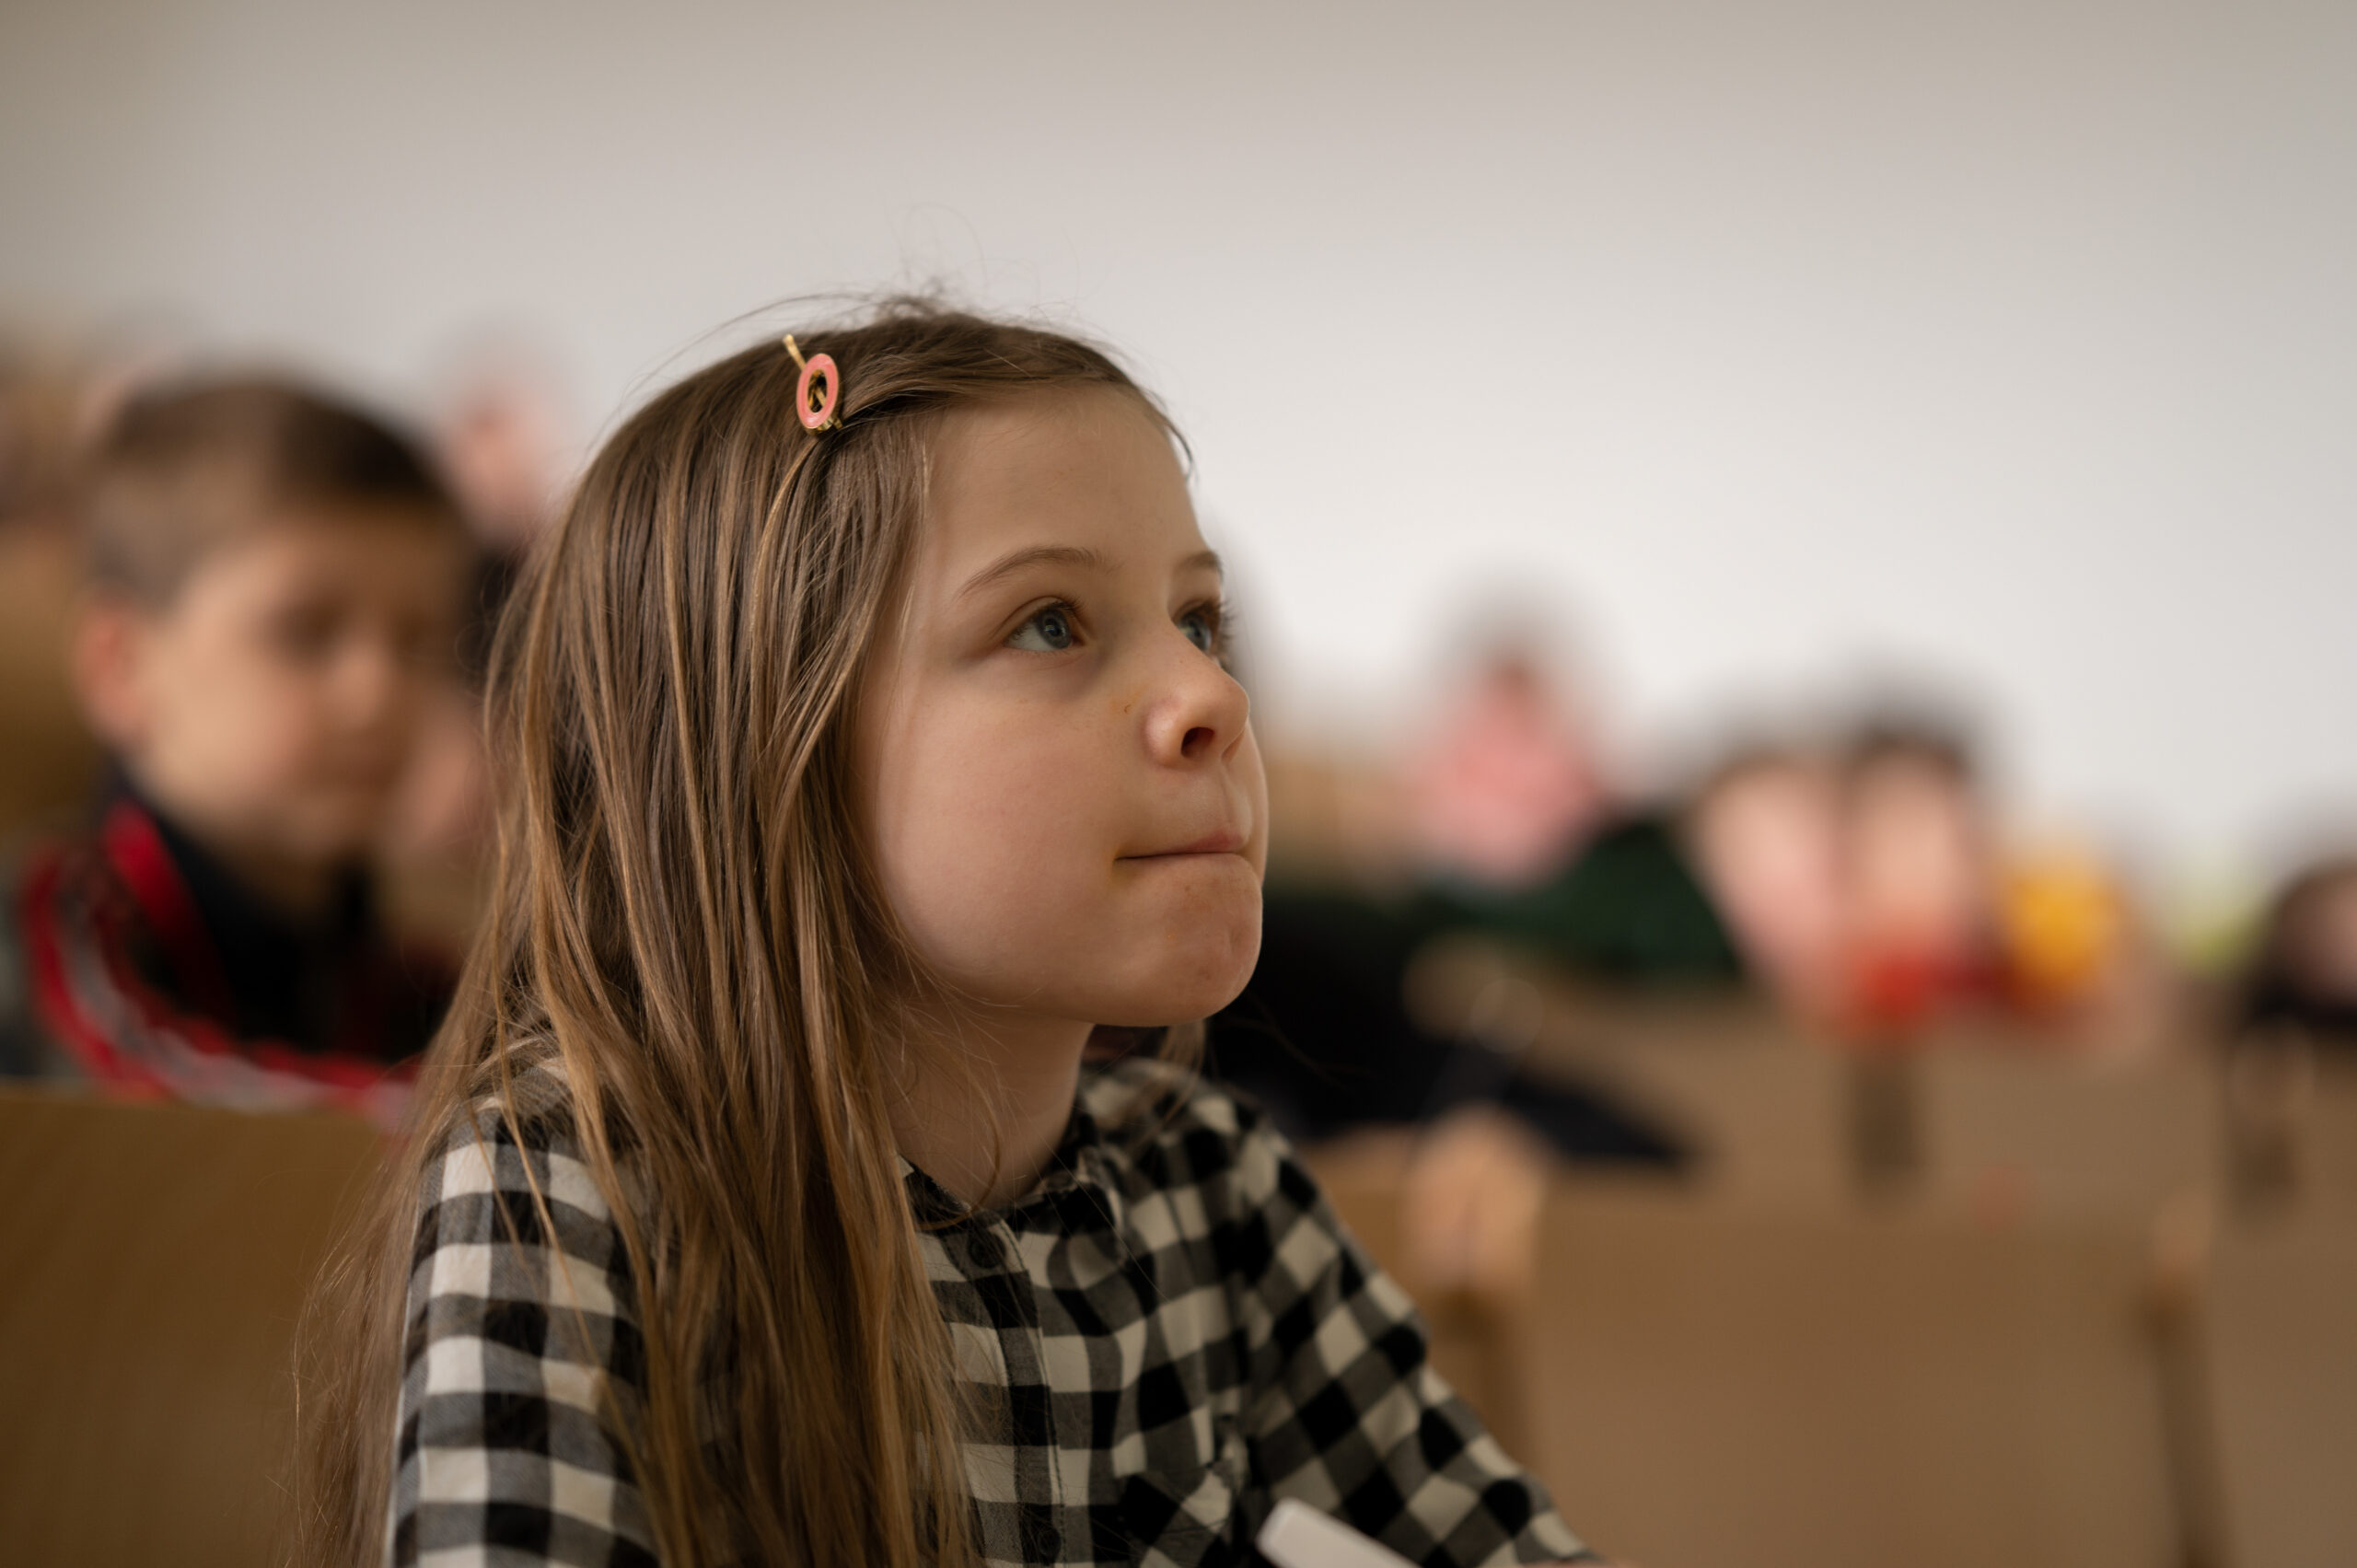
pixel 513 1336
pixel 1175 1330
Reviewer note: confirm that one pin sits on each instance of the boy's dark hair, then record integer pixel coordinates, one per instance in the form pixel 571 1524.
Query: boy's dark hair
pixel 1746 759
pixel 1935 744
pixel 186 469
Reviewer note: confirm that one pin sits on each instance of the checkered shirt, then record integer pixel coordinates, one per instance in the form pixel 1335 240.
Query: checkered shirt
pixel 1181 1332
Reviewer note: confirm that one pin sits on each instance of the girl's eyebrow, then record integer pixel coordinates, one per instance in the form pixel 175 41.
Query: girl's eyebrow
pixel 1007 566
pixel 1069 555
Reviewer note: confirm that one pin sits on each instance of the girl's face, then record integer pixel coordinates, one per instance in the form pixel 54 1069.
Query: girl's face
pixel 1060 781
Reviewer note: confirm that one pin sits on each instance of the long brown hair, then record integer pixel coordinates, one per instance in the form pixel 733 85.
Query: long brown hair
pixel 684 918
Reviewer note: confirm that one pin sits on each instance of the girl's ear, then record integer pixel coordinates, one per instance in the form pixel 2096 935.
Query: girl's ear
pixel 107 660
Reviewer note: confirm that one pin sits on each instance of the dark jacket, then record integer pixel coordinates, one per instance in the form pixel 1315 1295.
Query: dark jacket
pixel 135 962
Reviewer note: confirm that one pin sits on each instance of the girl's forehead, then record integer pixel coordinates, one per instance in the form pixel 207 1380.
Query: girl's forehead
pixel 1084 468
pixel 1054 429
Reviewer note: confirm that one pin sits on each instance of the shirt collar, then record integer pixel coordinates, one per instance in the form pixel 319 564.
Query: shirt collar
pixel 229 951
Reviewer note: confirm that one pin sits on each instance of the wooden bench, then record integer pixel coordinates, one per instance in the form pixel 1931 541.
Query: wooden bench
pixel 2276 1336
pixel 1716 1387
pixel 154 1262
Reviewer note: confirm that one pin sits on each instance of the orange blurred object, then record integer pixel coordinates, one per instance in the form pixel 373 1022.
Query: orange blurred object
pixel 2061 922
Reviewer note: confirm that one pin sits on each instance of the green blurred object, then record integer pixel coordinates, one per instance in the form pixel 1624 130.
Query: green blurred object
pixel 1629 908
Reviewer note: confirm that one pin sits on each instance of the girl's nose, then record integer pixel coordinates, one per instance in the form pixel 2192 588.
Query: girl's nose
pixel 1199 715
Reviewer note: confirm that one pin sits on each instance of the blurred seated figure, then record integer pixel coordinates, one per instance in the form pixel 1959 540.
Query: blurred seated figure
pixel 1940 916
pixel 1868 892
pixel 1630 909
pixel 2297 1004
pixel 1920 876
pixel 1323 1038
pixel 1765 835
pixel 497 440
pixel 1502 823
pixel 1509 787
pixel 1518 832
pixel 2304 976
pixel 500 439
pixel 50 759
pixel 274 587
pixel 1859 886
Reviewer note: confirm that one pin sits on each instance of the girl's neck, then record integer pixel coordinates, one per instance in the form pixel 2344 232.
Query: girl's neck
pixel 986 1133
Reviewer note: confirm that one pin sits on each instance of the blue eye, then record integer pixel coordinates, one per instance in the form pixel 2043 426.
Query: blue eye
pixel 1201 628
pixel 1049 632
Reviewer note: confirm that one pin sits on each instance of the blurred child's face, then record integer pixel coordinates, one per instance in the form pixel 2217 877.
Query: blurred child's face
pixel 270 705
pixel 1061 790
pixel 1768 844
pixel 1917 875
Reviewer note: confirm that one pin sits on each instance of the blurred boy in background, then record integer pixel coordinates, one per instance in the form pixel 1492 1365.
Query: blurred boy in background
pixel 273 589
pixel 1764 835
pixel 1919 865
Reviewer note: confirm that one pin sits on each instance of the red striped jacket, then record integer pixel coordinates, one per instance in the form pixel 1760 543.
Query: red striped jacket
pixel 116 977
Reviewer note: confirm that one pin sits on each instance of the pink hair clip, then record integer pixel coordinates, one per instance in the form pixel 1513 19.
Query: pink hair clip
pixel 817 390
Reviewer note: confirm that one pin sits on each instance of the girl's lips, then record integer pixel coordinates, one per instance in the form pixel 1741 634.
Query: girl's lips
pixel 1228 840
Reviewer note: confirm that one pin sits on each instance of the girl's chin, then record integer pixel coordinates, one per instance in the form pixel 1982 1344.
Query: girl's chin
pixel 1198 990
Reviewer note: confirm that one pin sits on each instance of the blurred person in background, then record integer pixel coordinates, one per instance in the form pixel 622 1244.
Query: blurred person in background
pixel 1498 812
pixel 2303 979
pixel 1946 915
pixel 1764 831
pixel 51 760
pixel 501 439
pixel 498 440
pixel 1871 893
pixel 1861 885
pixel 1522 833
pixel 274 587
pixel 1920 875
pixel 2296 1008
pixel 1510 787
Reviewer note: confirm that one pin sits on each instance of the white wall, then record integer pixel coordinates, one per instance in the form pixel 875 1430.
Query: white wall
pixel 2013 340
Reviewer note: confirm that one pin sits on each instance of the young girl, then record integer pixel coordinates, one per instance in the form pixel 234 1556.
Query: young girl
pixel 870 749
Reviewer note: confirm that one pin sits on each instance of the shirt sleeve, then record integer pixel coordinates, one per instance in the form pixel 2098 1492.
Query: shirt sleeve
pixel 1348 1414
pixel 522 1351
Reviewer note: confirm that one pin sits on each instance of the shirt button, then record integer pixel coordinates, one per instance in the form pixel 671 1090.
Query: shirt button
pixel 984 1250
